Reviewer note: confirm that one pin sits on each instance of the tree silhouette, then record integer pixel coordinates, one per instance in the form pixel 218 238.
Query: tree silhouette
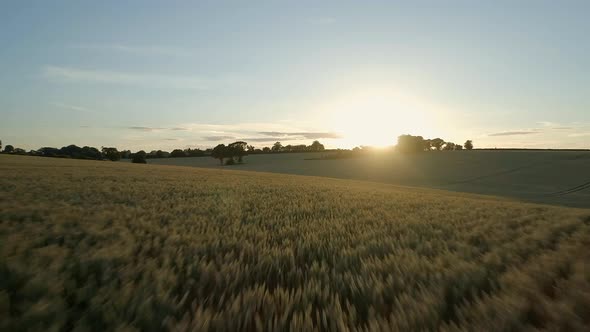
pixel 316 146
pixel 111 153
pixel 139 157
pixel 237 149
pixel 9 149
pixel 219 152
pixel 410 144
pixel 468 144
pixel 437 143
pixel 177 153
pixel 449 146
pixel 277 147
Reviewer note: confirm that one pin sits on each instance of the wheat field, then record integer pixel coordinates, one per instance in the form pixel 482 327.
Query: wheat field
pixel 95 246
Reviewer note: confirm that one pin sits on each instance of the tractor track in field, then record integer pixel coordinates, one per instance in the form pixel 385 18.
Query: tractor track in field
pixel 571 190
pixel 564 192
pixel 491 175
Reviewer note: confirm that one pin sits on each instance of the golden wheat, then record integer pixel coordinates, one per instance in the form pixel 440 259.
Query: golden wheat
pixel 97 246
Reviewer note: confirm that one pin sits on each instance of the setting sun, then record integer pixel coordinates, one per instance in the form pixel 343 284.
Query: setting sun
pixel 377 117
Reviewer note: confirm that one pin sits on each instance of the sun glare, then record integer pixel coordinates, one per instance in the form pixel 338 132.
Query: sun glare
pixel 376 118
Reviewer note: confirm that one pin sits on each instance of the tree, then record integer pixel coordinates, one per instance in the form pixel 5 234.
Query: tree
pixel 139 157
pixel 266 149
pixel 277 147
pixel 458 147
pixel 468 144
pixel 410 144
pixel 251 148
pixel 111 153
pixel 449 146
pixel 9 149
pixel 237 149
pixel 162 154
pixel 0 145
pixel 49 152
pixel 125 154
pixel 219 152
pixel 89 152
pixel 194 152
pixel 316 146
pixel 177 153
pixel 437 143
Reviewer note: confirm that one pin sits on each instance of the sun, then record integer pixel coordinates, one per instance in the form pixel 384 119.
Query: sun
pixel 377 117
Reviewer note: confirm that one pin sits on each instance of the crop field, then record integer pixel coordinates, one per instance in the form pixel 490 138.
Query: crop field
pixel 551 177
pixel 96 246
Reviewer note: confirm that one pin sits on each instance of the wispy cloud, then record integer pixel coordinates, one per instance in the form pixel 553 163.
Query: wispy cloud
pixel 77 75
pixel 306 135
pixel 263 139
pixel 71 107
pixel 171 139
pixel 555 125
pixel 515 133
pixel 217 138
pixel 145 128
pixel 225 133
pixel 158 50
pixel 579 134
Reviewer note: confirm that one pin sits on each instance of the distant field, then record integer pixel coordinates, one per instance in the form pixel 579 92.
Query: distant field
pixel 553 177
pixel 96 246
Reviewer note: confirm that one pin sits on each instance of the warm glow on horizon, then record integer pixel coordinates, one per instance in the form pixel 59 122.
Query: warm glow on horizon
pixel 376 118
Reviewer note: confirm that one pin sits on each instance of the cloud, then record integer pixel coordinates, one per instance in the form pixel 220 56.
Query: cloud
pixel 249 132
pixel 515 133
pixel 579 135
pixel 555 125
pixel 217 138
pixel 306 135
pixel 157 50
pixel 171 139
pixel 145 128
pixel 71 107
pixel 263 139
pixel 77 75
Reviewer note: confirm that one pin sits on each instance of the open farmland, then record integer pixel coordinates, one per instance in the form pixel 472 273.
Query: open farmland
pixel 552 177
pixel 90 245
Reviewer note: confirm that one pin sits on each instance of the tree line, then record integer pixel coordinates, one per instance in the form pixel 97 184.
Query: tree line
pixel 410 143
pixel 232 153
pixel 228 154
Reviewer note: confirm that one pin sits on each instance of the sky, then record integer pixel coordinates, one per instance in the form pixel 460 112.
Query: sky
pixel 179 74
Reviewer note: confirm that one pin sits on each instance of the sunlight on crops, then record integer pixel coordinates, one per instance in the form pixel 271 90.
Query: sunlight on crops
pixel 102 246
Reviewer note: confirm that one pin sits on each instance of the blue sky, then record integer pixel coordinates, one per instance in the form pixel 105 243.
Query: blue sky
pixel 167 74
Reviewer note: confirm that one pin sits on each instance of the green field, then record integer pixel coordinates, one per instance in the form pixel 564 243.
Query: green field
pixel 95 246
pixel 552 177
